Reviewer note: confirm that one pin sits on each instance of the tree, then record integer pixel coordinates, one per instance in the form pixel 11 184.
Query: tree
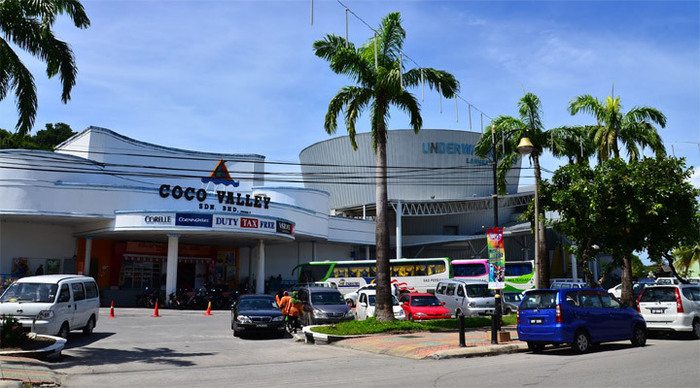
pixel 377 69
pixel 684 258
pixel 633 129
pixel 505 133
pixel 45 139
pixel 28 24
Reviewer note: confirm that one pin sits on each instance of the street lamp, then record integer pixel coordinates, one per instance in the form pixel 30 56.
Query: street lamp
pixel 525 147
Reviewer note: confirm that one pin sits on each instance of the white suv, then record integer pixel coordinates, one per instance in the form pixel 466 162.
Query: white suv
pixel 53 304
pixel 671 307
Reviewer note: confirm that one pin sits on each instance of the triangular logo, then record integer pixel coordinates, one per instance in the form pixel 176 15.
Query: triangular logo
pixel 221 172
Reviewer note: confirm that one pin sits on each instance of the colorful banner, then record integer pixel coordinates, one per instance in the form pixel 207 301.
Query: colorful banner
pixel 497 258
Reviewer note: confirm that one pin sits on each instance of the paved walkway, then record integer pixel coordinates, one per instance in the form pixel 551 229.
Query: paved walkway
pixel 434 345
pixel 27 370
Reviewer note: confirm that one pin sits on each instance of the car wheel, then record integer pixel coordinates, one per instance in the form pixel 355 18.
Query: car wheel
pixel 507 311
pixel 535 347
pixel 87 330
pixel 582 342
pixel 64 330
pixel 639 336
pixel 696 328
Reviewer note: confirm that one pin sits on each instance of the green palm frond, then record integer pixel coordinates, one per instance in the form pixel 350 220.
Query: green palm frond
pixel 360 97
pixel 22 81
pixel 392 35
pixel 409 104
pixel 344 96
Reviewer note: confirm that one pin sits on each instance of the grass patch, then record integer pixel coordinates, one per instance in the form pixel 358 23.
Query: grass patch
pixel 372 326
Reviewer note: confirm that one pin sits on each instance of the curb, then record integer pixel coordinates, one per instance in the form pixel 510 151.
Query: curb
pixel 479 351
pixel 312 337
pixel 50 352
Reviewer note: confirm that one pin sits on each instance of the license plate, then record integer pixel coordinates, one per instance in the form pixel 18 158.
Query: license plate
pixel 657 311
pixel 537 321
pixel 262 325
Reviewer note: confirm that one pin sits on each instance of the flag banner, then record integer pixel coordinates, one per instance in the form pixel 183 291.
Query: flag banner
pixel 497 258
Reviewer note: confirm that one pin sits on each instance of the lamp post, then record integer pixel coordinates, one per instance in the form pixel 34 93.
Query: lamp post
pixel 496 320
pixel 525 147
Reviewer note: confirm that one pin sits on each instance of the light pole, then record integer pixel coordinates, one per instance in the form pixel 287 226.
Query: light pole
pixel 525 147
pixel 496 320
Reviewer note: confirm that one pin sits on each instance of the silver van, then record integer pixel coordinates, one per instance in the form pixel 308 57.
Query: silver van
pixel 53 304
pixel 323 305
pixel 467 297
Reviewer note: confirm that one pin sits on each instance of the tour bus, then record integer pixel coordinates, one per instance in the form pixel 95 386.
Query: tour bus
pixel 409 275
pixel 520 275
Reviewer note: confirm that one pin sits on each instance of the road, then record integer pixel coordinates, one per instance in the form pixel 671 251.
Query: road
pixel 182 349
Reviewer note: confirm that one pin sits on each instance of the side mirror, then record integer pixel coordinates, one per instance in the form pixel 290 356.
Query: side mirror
pixel 442 303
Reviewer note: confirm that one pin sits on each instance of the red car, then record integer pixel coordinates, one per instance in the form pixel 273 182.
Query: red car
pixel 421 307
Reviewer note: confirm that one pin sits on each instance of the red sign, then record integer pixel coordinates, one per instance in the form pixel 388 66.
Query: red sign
pixel 251 223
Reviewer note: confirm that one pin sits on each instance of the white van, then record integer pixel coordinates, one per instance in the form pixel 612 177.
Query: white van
pixel 468 297
pixel 53 304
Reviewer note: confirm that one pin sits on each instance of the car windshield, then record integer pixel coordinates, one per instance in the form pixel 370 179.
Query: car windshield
pixel 425 301
pixel 373 298
pixel 659 294
pixel 257 304
pixel 512 297
pixel 30 293
pixel 539 300
pixel 479 291
pixel 327 298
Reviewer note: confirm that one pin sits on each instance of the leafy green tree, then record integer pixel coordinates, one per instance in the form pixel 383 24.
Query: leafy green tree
pixel 505 133
pixel 381 82
pixel 685 256
pixel 633 129
pixel 28 25
pixel 53 135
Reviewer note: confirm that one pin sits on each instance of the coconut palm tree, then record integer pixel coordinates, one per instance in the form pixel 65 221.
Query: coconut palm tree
pixel 377 69
pixel 28 25
pixel 633 129
pixel 505 133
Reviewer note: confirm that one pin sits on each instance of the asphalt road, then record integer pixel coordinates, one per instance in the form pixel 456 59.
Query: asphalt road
pixel 182 349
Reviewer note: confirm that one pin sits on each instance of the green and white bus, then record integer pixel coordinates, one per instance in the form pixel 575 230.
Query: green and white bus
pixel 520 275
pixel 409 275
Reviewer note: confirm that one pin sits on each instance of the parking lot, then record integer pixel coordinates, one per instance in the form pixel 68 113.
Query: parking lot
pixel 186 348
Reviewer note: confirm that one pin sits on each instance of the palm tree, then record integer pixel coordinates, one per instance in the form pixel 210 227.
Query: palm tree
pixel 685 257
pixel 504 133
pixel 28 25
pixel 633 129
pixel 380 83
pixel 573 143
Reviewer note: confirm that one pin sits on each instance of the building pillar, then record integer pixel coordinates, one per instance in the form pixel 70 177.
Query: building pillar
pixel 399 242
pixel 171 266
pixel 595 269
pixel 88 256
pixel 366 252
pixel 260 279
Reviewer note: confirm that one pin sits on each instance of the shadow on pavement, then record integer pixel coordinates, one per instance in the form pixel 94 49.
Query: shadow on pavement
pixel 567 351
pixel 100 356
pixel 76 340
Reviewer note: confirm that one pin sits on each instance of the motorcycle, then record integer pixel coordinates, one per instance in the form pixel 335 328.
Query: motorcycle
pixel 148 298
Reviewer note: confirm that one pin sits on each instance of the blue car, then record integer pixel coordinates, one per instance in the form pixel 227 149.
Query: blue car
pixel 579 317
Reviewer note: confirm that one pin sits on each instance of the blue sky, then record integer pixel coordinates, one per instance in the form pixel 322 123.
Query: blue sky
pixel 240 76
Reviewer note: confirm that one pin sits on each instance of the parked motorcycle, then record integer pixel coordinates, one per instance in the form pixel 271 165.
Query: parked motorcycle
pixel 148 297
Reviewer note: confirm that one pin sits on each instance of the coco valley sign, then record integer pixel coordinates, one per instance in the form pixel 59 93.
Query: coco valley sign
pixel 227 199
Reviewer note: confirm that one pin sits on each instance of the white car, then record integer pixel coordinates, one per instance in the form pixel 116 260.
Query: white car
pixel 671 308
pixel 351 298
pixel 366 306
pixel 53 304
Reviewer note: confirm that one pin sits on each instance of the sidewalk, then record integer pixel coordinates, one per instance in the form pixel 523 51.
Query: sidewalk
pixel 426 345
pixel 26 370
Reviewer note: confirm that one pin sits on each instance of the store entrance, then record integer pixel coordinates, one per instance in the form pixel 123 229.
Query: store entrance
pixel 186 273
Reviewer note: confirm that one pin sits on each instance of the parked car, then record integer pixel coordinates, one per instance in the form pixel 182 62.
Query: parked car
pixel 579 317
pixel 637 288
pixel 568 284
pixel 671 308
pixel 351 298
pixel 323 305
pixel 255 314
pixel 466 297
pixel 53 304
pixel 420 307
pixel 511 301
pixel 367 304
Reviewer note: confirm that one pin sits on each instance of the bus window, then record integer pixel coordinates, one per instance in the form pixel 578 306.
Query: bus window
pixel 469 270
pixel 519 268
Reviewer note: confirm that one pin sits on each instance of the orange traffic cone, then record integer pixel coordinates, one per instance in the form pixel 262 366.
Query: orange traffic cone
pixel 155 311
pixel 111 310
pixel 208 312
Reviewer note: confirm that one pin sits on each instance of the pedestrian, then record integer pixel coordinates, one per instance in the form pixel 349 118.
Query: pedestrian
pixel 294 309
pixel 40 270
pixel 283 303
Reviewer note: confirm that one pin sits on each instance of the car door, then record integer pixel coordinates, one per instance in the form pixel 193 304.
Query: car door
pixel 362 307
pixel 596 319
pixel 451 298
pixel 64 309
pixel 619 319
pixel 460 299
pixel 80 306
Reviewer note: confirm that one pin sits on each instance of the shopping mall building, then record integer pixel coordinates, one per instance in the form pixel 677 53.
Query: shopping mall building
pixel 134 214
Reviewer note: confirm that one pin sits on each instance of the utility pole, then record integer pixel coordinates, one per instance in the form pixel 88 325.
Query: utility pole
pixel 496 318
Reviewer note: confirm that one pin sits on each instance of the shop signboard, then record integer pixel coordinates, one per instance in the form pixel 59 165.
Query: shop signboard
pixel 497 258
pixel 285 227
pixel 193 219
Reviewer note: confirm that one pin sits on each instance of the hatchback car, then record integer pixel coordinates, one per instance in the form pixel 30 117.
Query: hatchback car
pixel 420 307
pixel 256 313
pixel 671 308
pixel 579 317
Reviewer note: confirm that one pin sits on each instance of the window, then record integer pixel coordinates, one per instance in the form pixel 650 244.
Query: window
pixel 518 269
pixel 539 300
pixel 469 270
pixel 91 290
pixel 404 298
pixel 78 291
pixel 327 298
pixel 30 292
pixel 659 294
pixel 572 299
pixel 425 301
pixel 313 273
pixel 590 300
pixel 460 291
pixel 609 301
pixel 479 291
pixel 450 289
pixel 692 293
pixel 64 295
pixel 441 289
pixel 363 298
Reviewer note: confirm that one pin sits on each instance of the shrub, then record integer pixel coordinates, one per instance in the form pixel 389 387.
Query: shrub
pixel 11 332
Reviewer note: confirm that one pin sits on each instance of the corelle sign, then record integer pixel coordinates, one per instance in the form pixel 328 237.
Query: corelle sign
pixel 158 219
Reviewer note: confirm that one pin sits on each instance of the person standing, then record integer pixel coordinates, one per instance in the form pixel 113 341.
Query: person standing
pixel 283 304
pixel 294 311
pixel 40 270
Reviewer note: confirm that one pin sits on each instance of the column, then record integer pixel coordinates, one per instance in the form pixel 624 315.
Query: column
pixel 574 267
pixel 366 252
pixel 260 279
pixel 171 266
pixel 595 269
pixel 399 242
pixel 88 256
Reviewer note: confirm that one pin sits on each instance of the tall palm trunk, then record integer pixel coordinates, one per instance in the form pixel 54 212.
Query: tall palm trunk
pixel 627 295
pixel 384 309
pixel 543 260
